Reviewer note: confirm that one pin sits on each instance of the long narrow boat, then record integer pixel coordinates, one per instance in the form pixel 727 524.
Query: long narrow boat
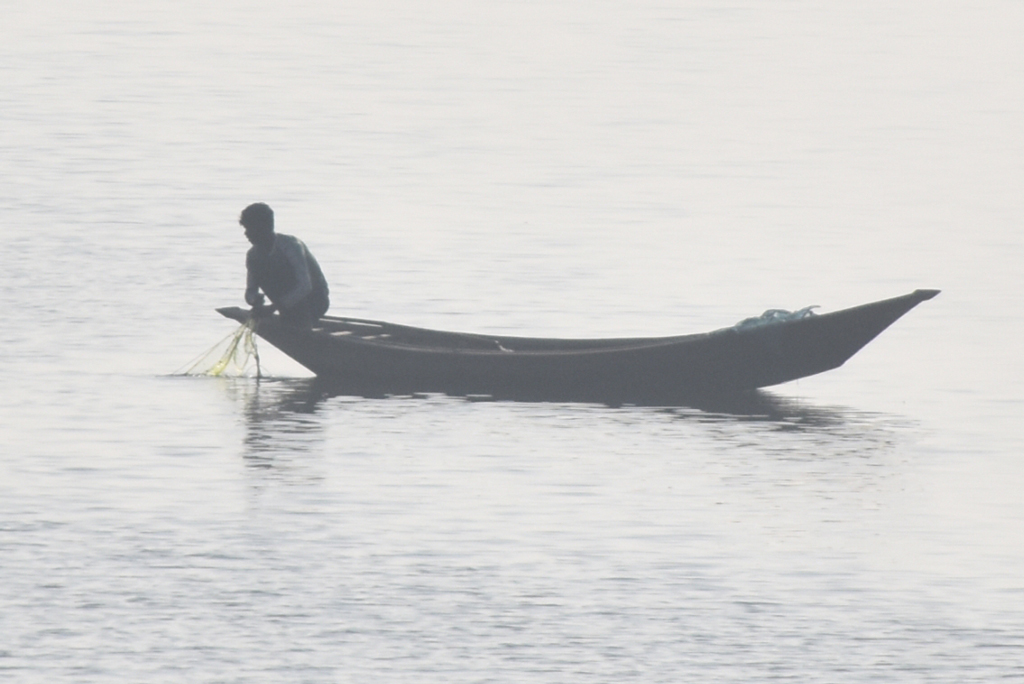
pixel 374 358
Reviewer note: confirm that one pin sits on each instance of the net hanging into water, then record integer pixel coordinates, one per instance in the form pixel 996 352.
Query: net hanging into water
pixel 230 356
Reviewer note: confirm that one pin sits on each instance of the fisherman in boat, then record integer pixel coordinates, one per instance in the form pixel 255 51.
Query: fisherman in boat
pixel 282 268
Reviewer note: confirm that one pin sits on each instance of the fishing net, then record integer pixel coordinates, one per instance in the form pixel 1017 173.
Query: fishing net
pixel 230 356
pixel 775 316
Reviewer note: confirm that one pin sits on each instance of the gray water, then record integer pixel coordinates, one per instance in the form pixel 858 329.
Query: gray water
pixel 563 169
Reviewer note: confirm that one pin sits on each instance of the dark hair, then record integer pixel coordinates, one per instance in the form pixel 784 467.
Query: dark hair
pixel 258 216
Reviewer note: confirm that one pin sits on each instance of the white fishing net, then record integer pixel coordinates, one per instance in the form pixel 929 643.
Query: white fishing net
pixel 229 357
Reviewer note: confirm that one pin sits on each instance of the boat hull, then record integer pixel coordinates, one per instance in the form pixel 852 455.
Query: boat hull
pixel 372 358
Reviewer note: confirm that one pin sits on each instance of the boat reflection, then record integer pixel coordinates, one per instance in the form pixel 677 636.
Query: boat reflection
pixel 288 420
pixel 285 400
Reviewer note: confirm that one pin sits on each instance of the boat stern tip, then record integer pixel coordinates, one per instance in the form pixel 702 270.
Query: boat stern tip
pixel 233 312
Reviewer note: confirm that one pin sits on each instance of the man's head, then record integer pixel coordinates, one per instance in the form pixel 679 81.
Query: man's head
pixel 258 221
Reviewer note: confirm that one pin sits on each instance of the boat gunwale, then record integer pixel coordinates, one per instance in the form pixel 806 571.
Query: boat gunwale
pixel 604 343
pixel 608 346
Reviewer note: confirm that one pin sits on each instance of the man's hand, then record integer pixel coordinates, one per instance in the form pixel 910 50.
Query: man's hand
pixel 259 310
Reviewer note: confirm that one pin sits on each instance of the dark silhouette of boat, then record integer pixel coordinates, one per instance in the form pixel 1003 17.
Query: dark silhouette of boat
pixel 374 358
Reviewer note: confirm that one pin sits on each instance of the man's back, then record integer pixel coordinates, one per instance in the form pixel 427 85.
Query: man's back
pixel 283 268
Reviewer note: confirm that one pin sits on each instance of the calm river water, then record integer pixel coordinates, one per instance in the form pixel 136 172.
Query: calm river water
pixel 563 169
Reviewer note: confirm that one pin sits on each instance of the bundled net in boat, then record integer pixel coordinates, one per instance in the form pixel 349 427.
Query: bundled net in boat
pixel 775 316
pixel 230 356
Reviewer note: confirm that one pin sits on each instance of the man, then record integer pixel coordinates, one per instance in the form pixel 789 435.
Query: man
pixel 282 267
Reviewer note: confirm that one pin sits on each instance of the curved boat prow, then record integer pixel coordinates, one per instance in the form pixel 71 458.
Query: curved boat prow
pixel 825 342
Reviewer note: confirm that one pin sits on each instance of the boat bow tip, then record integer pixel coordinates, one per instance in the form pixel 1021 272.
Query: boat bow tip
pixel 925 295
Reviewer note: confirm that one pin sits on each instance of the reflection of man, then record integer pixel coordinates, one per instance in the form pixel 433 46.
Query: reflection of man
pixel 282 267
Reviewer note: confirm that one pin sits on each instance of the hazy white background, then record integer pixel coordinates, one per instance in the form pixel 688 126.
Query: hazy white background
pixel 559 168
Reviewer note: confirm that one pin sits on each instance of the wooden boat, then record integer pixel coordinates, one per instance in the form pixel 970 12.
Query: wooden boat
pixel 374 358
